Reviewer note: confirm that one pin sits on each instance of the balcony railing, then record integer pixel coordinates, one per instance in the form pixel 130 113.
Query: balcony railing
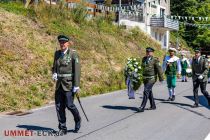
pixel 164 22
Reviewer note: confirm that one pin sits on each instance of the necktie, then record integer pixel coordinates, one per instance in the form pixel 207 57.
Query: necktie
pixel 197 61
pixel 62 54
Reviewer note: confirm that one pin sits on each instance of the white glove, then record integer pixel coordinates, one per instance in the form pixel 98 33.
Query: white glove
pixel 200 77
pixel 55 76
pixel 75 89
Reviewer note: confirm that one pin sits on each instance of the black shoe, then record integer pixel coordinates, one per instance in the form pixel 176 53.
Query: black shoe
pixel 209 102
pixel 169 99
pixel 140 109
pixel 77 126
pixel 173 98
pixel 152 108
pixel 186 80
pixel 182 80
pixel 62 132
pixel 194 106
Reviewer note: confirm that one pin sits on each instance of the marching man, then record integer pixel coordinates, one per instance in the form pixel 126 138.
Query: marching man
pixel 171 66
pixel 66 73
pixel 199 75
pixel 184 64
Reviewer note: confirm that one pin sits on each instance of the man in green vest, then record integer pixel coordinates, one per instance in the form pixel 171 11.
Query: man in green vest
pixel 184 64
pixel 66 73
pixel 151 69
pixel 171 66
pixel 199 75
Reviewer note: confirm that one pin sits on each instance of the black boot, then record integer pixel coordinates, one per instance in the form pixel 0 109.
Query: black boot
pixel 140 109
pixel 195 105
pixel 77 126
pixel 173 98
pixel 62 132
pixel 209 102
pixel 152 108
pixel 169 99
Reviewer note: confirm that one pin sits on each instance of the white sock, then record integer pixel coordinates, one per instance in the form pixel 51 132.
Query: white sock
pixel 170 92
pixel 183 77
pixel 173 91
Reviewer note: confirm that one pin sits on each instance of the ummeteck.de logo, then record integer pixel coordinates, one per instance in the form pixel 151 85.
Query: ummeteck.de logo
pixel 29 133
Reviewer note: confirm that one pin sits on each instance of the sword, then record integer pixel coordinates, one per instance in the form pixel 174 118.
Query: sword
pixel 81 107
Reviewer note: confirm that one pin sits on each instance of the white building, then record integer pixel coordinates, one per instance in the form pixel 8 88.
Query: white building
pixel 154 20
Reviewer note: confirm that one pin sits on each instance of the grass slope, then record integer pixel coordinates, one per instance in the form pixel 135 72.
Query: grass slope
pixel 27 45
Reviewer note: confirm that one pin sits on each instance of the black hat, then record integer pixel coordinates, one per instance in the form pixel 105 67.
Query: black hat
pixel 197 50
pixel 63 38
pixel 149 49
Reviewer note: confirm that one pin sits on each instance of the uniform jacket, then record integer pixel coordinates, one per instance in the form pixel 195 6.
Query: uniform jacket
pixel 151 69
pixel 68 69
pixel 200 68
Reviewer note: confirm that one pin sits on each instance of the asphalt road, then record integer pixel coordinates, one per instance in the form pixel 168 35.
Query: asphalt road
pixel 113 117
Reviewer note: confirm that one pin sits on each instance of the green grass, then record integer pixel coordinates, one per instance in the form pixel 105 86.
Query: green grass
pixel 102 47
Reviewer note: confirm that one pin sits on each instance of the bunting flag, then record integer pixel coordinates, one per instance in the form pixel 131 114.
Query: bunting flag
pixel 196 25
pixel 186 18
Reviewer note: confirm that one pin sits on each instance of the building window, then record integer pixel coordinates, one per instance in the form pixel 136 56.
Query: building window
pixel 165 1
pixel 159 2
pixel 165 40
pixel 162 12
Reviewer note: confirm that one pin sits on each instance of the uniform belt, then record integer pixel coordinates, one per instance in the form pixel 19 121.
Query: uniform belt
pixel 148 77
pixel 198 74
pixel 64 75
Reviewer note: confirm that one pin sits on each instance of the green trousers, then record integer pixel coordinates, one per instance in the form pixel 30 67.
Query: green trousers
pixel 171 81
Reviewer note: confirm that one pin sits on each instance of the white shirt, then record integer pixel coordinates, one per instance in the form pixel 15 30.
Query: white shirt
pixel 172 59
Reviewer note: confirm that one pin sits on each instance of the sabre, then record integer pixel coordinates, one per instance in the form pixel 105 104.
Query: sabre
pixel 82 107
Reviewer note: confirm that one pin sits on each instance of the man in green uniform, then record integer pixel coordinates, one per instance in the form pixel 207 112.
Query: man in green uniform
pixel 171 66
pixel 199 75
pixel 184 64
pixel 66 73
pixel 151 68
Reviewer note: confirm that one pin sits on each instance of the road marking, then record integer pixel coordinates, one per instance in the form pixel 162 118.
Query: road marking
pixel 208 137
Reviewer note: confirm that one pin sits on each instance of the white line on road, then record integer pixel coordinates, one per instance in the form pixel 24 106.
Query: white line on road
pixel 208 137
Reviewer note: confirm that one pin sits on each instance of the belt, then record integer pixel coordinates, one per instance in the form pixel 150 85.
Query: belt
pixel 198 74
pixel 148 77
pixel 64 75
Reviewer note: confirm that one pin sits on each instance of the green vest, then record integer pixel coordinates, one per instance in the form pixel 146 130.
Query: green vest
pixel 184 64
pixel 171 68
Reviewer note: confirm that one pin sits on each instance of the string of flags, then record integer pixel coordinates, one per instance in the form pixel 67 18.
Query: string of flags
pixel 196 25
pixel 136 7
pixel 190 18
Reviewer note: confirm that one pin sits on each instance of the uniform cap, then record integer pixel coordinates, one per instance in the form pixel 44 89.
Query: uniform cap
pixel 63 38
pixel 150 49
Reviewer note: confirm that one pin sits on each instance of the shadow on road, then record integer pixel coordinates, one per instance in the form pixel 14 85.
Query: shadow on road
pixel 202 100
pixel 35 128
pixel 175 103
pixel 120 107
pixel 40 128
